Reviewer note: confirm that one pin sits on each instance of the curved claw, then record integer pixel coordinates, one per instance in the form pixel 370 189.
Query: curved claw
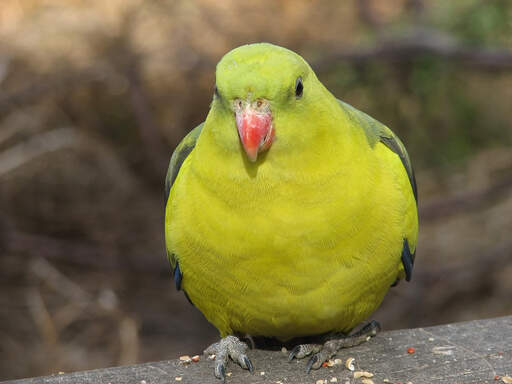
pixel 294 353
pixel 376 328
pixel 220 372
pixel 311 362
pixel 247 364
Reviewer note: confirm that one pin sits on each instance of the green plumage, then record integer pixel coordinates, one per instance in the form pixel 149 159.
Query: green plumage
pixel 308 238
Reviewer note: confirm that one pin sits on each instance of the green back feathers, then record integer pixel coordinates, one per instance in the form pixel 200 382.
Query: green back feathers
pixel 375 132
pixel 178 157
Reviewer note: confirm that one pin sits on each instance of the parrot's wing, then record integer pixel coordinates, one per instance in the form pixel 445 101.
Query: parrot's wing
pixel 178 157
pixel 376 132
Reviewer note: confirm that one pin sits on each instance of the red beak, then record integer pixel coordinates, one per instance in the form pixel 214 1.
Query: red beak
pixel 255 130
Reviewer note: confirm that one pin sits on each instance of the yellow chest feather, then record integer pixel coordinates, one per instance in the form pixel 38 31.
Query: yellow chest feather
pixel 285 256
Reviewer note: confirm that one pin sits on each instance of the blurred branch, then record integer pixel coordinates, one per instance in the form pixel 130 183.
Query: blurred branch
pixel 129 339
pixel 74 252
pixel 80 304
pixel 50 83
pixel 367 15
pixel 130 64
pixel 8 132
pixel 4 68
pixel 416 8
pixel 37 145
pixel 42 317
pixel 149 131
pixel 422 42
pixel 466 201
pixel 59 282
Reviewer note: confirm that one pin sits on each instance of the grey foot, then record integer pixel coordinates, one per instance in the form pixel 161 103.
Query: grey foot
pixel 330 347
pixel 229 347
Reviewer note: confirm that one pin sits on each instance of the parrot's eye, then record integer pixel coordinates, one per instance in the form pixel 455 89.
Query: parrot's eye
pixel 298 87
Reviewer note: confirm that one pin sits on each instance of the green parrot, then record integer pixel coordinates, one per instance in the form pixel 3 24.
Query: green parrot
pixel 288 213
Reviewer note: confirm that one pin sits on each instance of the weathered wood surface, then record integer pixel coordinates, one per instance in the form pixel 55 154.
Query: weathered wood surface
pixel 472 352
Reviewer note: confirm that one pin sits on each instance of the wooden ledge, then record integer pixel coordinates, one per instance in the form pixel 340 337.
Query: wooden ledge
pixel 471 352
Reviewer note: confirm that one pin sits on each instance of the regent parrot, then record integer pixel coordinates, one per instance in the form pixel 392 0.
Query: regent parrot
pixel 288 212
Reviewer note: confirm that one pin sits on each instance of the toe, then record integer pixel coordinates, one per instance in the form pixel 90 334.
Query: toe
pixel 303 350
pixel 212 349
pixel 220 371
pixel 313 363
pixel 245 363
pixel 294 353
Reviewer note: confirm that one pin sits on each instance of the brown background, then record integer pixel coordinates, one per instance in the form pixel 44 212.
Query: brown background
pixel 94 96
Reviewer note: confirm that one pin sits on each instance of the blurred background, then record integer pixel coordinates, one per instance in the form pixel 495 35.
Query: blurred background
pixel 95 95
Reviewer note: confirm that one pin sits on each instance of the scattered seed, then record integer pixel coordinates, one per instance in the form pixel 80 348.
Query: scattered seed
pixel 320 382
pixel 229 374
pixel 211 357
pixel 409 382
pixel 61 372
pixel 177 378
pixel 185 359
pixel 359 374
pixel 410 350
pixel 350 364
pixel 506 379
pixel 195 358
pixel 430 339
pixel 367 381
pixel 386 381
pixel 333 380
pixel 443 350
pixel 337 361
pixel 262 373
pixel 284 350
pixel 143 382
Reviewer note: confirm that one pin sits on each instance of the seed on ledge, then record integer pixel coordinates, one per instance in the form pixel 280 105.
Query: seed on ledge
pixel 359 374
pixel 185 359
pixel 350 364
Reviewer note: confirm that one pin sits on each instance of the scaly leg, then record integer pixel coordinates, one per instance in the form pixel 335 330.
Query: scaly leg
pixel 334 344
pixel 229 347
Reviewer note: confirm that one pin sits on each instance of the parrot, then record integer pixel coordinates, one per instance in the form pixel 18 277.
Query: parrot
pixel 288 213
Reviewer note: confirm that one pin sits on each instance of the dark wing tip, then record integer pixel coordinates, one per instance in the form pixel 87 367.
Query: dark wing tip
pixel 177 276
pixel 393 145
pixel 407 260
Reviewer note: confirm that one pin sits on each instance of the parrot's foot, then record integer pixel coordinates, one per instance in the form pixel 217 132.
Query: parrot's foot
pixel 229 347
pixel 324 352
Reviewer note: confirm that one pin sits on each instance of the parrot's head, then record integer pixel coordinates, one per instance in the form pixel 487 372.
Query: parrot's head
pixel 256 86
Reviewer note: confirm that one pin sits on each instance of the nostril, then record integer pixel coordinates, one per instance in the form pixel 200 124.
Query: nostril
pixel 240 104
pixel 259 103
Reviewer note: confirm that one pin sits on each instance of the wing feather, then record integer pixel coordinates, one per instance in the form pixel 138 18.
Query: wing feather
pixel 179 155
pixel 376 132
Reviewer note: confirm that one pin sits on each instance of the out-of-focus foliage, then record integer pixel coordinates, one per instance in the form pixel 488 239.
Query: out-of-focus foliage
pixel 94 95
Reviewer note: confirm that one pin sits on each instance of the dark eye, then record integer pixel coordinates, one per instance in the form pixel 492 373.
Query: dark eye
pixel 298 87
